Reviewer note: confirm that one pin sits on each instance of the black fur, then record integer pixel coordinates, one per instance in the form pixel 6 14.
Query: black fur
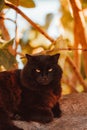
pixel 33 92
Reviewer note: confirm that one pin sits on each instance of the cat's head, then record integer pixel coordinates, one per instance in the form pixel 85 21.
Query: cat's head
pixel 43 69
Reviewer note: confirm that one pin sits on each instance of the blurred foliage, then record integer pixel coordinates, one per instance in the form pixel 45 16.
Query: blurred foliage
pixel 67 16
pixel 66 19
pixel 1 4
pixel 7 59
pixel 6 44
pixel 24 3
pixel 84 3
pixel 33 42
pixel 7 56
pixel 56 48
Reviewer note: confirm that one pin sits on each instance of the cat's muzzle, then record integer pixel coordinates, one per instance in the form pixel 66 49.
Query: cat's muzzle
pixel 43 80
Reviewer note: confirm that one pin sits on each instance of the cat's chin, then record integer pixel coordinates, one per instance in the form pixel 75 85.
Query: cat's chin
pixel 43 83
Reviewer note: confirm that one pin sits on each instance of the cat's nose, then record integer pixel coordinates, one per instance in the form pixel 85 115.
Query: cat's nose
pixel 45 78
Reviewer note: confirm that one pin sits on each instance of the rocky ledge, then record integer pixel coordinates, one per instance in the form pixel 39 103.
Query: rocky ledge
pixel 74 115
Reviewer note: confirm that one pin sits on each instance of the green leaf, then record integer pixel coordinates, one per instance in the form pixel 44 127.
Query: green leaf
pixel 1 4
pixel 7 59
pixel 24 3
pixel 5 44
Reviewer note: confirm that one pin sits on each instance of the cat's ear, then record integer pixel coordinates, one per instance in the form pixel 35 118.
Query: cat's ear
pixel 56 57
pixel 28 56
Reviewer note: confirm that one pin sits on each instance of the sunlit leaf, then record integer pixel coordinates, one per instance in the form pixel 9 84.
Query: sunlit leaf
pixel 37 50
pixel 2 68
pixel 26 49
pixel 40 41
pixel 65 89
pixel 2 42
pixel 84 3
pixel 7 59
pixel 79 88
pixel 5 44
pixel 1 4
pixel 24 3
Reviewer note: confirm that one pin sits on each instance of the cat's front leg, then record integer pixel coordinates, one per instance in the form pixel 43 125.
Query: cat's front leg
pixel 37 114
pixel 56 110
pixel 5 122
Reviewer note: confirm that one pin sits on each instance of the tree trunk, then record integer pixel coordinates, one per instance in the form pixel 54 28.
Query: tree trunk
pixel 79 30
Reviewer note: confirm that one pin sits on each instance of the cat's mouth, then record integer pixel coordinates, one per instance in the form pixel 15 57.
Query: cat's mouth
pixel 43 81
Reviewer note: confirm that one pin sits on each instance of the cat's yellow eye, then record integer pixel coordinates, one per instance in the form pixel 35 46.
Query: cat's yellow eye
pixel 50 70
pixel 38 70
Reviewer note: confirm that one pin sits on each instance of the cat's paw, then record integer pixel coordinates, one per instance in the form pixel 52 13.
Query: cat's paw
pixel 38 115
pixel 47 116
pixel 58 114
pixel 57 111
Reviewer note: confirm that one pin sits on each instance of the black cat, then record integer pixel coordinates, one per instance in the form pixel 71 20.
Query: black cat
pixel 33 92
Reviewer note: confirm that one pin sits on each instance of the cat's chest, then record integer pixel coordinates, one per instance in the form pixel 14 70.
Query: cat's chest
pixel 35 98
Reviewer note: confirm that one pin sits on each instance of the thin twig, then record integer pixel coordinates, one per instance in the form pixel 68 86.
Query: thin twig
pixel 16 34
pixel 2 17
pixel 66 49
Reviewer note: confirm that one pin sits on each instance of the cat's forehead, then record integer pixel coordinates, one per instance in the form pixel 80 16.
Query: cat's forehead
pixel 43 58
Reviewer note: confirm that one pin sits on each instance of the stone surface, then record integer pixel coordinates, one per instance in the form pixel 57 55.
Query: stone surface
pixel 74 115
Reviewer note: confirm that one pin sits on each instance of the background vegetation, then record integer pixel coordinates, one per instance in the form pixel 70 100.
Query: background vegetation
pixel 72 44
